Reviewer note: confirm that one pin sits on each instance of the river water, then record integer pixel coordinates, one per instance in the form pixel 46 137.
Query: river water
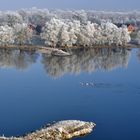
pixel 98 85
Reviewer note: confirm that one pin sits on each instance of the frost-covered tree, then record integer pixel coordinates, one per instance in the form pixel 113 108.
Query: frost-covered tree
pixel 74 31
pixel 6 35
pixel 36 16
pixel 80 15
pixel 58 32
pixel 111 34
pixel 51 32
pixel 69 28
pixel 64 36
pixel 23 34
pixel 10 18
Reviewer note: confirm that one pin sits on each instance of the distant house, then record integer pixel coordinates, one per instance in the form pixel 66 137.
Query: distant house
pixel 131 28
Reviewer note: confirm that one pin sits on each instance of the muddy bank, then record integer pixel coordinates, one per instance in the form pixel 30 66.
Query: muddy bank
pixel 62 130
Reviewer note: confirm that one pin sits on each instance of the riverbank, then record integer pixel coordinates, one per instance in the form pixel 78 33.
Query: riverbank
pixel 62 130
pixel 40 49
pixel 61 51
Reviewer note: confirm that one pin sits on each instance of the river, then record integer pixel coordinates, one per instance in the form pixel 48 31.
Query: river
pixel 98 85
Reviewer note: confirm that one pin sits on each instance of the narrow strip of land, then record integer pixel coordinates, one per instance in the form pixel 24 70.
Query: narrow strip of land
pixel 62 130
pixel 61 51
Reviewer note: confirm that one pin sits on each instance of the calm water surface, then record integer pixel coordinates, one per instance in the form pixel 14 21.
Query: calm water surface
pixel 101 85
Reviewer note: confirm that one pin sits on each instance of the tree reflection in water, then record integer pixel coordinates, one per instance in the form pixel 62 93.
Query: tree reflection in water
pixel 138 54
pixel 82 60
pixel 17 59
pixel 86 60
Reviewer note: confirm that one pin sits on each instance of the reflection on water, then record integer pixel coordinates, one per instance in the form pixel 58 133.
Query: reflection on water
pixel 17 59
pixel 87 60
pixel 30 99
pixel 138 54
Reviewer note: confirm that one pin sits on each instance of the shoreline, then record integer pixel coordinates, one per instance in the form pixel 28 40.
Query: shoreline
pixel 62 130
pixel 61 50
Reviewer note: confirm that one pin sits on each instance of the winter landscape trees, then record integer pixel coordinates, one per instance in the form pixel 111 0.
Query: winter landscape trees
pixel 58 32
pixel 66 28
pixel 6 35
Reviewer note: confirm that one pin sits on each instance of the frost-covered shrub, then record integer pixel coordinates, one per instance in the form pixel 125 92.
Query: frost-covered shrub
pixel 6 35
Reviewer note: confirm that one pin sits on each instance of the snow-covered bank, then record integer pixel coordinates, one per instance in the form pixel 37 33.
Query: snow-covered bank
pixel 59 131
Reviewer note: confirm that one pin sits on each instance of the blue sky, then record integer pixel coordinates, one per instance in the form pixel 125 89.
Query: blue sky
pixel 115 5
